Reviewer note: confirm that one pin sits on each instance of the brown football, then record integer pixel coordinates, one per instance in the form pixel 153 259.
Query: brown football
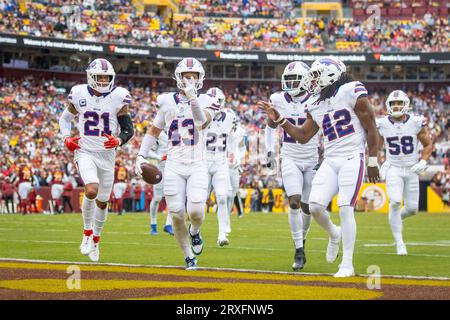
pixel 151 174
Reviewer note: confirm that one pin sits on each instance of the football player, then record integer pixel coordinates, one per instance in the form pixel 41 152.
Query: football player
pixel 401 133
pixel 347 119
pixel 57 178
pixel 120 184
pixel 186 114
pixel 217 141
pixel 297 160
pixel 25 173
pixel 104 124
pixel 159 153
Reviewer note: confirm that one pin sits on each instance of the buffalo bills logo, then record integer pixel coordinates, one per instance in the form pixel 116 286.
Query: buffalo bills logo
pixel 396 94
pixel 291 66
pixel 327 62
pixel 92 65
pixel 82 103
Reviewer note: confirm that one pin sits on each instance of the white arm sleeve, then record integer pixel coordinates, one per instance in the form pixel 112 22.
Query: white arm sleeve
pixel 269 138
pixel 147 144
pixel 65 122
pixel 198 114
pixel 153 155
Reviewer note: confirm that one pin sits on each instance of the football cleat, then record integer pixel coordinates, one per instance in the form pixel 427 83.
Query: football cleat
pixel 168 229
pixel 196 243
pixel 94 255
pixel 333 246
pixel 223 241
pixel 191 263
pixel 401 249
pixel 299 259
pixel 86 245
pixel 345 272
pixel 153 230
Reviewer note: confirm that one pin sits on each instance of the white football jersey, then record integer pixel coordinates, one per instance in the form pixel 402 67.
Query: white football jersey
pixel 185 142
pixel 97 115
pixel 218 136
pixel 400 139
pixel 293 109
pixel 343 133
pixel 237 136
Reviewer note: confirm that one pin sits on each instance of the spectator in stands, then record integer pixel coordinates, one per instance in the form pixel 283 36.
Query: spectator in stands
pixel 7 191
pixel 67 196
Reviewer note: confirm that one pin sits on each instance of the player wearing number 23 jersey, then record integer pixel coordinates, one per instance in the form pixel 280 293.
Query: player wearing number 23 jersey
pixel 103 125
pixel 343 112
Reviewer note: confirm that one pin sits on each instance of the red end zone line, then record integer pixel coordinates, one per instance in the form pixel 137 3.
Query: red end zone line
pixel 218 269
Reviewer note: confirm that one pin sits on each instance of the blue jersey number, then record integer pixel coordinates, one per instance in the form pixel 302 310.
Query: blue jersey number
pixel 92 120
pixel 342 127
pixel 399 145
pixel 174 135
pixel 287 138
pixel 211 140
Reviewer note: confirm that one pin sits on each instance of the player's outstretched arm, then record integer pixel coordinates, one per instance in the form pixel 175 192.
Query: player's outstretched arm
pixel 424 137
pixel 269 139
pixel 301 134
pixel 149 141
pixel 65 125
pixel 366 116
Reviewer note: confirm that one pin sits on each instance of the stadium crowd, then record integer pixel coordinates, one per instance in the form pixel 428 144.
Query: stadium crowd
pixel 119 22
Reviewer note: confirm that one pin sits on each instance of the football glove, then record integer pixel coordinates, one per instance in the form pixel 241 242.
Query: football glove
pixel 71 143
pixel 419 167
pixel 190 89
pixel 112 141
pixel 140 160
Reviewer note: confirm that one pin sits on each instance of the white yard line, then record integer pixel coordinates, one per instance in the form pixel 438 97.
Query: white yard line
pixel 216 269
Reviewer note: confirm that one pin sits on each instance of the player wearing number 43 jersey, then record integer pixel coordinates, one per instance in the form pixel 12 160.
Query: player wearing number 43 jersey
pixel 401 133
pixel 298 161
pixel 103 125
pixel 186 114
pixel 347 120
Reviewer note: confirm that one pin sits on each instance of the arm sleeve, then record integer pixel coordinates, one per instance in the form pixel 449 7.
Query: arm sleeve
pixel 65 122
pixel 269 138
pixel 126 128
pixel 147 144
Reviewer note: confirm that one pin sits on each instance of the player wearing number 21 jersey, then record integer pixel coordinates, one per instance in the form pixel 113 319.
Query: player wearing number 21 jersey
pixel 186 114
pixel 401 133
pixel 347 120
pixel 103 125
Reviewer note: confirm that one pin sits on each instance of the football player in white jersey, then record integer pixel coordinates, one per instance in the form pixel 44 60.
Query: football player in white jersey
pixel 103 125
pixel 186 114
pixel 347 120
pixel 298 161
pixel 236 156
pixel 217 142
pixel 159 153
pixel 401 133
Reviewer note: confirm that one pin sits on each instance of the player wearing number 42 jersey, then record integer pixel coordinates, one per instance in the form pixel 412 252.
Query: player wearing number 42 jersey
pixel 346 117
pixel 186 114
pixel 401 133
pixel 103 124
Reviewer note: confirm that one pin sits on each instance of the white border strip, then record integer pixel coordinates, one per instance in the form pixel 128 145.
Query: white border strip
pixel 218 269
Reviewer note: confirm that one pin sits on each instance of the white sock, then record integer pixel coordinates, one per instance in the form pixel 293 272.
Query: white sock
pixel 87 211
pixel 306 224
pixel 395 221
pixel 296 225
pixel 169 220
pixel 153 210
pixel 323 219
pixel 348 229
pixel 406 214
pixel 181 233
pixel 222 214
pixel 196 212
pixel 100 216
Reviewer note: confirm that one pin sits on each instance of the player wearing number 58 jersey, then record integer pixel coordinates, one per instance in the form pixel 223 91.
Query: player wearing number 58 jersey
pixel 347 120
pixel 186 114
pixel 401 133
pixel 103 125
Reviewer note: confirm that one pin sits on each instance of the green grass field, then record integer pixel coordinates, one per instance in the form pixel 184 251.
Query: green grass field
pixel 258 241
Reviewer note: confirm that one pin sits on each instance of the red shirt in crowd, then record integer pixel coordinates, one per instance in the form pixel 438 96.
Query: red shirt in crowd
pixel 67 189
pixel 24 174
pixel 57 177
pixel 7 189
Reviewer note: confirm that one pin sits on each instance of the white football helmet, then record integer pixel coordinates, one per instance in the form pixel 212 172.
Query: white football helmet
pixel 291 85
pixel 218 94
pixel 189 65
pixel 100 67
pixel 324 72
pixel 397 95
